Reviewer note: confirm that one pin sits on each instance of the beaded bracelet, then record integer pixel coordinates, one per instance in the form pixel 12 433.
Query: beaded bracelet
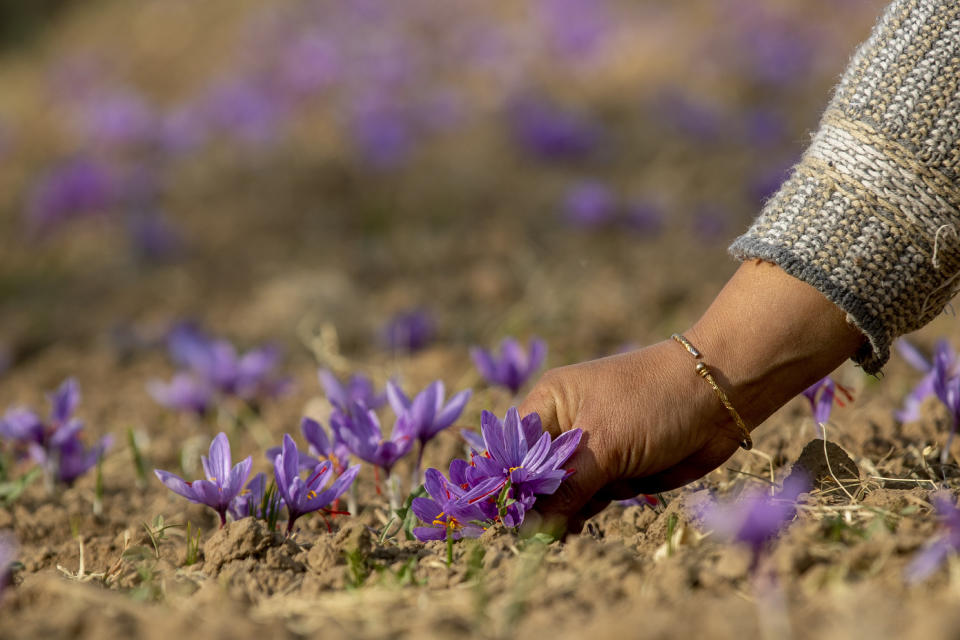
pixel 704 372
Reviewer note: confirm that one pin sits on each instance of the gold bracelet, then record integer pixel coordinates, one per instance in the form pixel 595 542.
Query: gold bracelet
pixel 704 372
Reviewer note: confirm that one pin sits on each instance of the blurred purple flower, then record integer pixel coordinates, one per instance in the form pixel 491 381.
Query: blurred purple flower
pixel 55 445
pixel 936 550
pixel 222 483
pixel 302 497
pixel 185 392
pixel 320 448
pixel 514 366
pixel 382 131
pixel 359 389
pixel 768 180
pixel 426 415
pixel 245 110
pixel 75 188
pixel 589 204
pixel 120 118
pixel 250 376
pixel 575 27
pixel 309 64
pixel 944 365
pixel 182 130
pixel 755 517
pixel 550 132
pixel 359 429
pixel 445 513
pixel 409 331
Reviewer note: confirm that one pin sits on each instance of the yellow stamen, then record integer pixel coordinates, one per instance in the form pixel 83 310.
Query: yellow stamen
pixel 312 494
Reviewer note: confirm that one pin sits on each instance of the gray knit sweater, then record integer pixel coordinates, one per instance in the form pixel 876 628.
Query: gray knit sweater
pixel 871 214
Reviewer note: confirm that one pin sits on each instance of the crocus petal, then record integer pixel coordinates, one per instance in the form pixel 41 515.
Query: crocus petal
pixel 399 402
pixel 474 439
pixel 563 447
pixel 531 426
pixel 176 484
pixel 449 414
pixel 538 453
pixel 436 485
pixel 912 355
pixel 483 359
pixel 334 391
pixel 314 434
pixel 537 354
pixel 238 476
pixel 425 534
pixel 515 447
pixel 425 509
pixel 64 400
pixel 492 430
pixel 219 461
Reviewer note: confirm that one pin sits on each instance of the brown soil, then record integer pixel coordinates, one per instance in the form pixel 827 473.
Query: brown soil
pixel 306 256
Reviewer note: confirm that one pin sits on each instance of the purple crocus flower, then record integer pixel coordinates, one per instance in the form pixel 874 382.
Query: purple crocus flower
pixel 119 118
pixel 320 448
pixel 589 205
pixel 546 130
pixel 217 363
pixel 360 431
pixel 359 389
pixel 409 331
pixel 8 553
pixel 302 497
pixel 427 414
pixel 944 365
pixel 822 395
pixel 55 445
pixel 936 550
pixel 519 451
pixel 185 392
pixel 445 512
pixel 222 483
pixel 382 131
pixel 755 517
pixel 514 366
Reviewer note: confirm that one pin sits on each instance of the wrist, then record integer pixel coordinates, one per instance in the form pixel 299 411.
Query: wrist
pixel 768 336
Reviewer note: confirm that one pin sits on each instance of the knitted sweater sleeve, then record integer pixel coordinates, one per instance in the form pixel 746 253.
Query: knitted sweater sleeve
pixel 871 214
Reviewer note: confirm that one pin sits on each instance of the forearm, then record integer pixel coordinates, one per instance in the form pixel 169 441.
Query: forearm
pixel 768 336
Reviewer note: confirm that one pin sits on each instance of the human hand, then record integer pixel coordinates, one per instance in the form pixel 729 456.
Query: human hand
pixel 651 424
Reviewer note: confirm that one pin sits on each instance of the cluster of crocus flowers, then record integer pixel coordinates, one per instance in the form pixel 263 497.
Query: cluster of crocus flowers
pixel 55 444
pixel 212 368
pixel 513 366
pixel 518 462
pixel 223 487
pixel 427 414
